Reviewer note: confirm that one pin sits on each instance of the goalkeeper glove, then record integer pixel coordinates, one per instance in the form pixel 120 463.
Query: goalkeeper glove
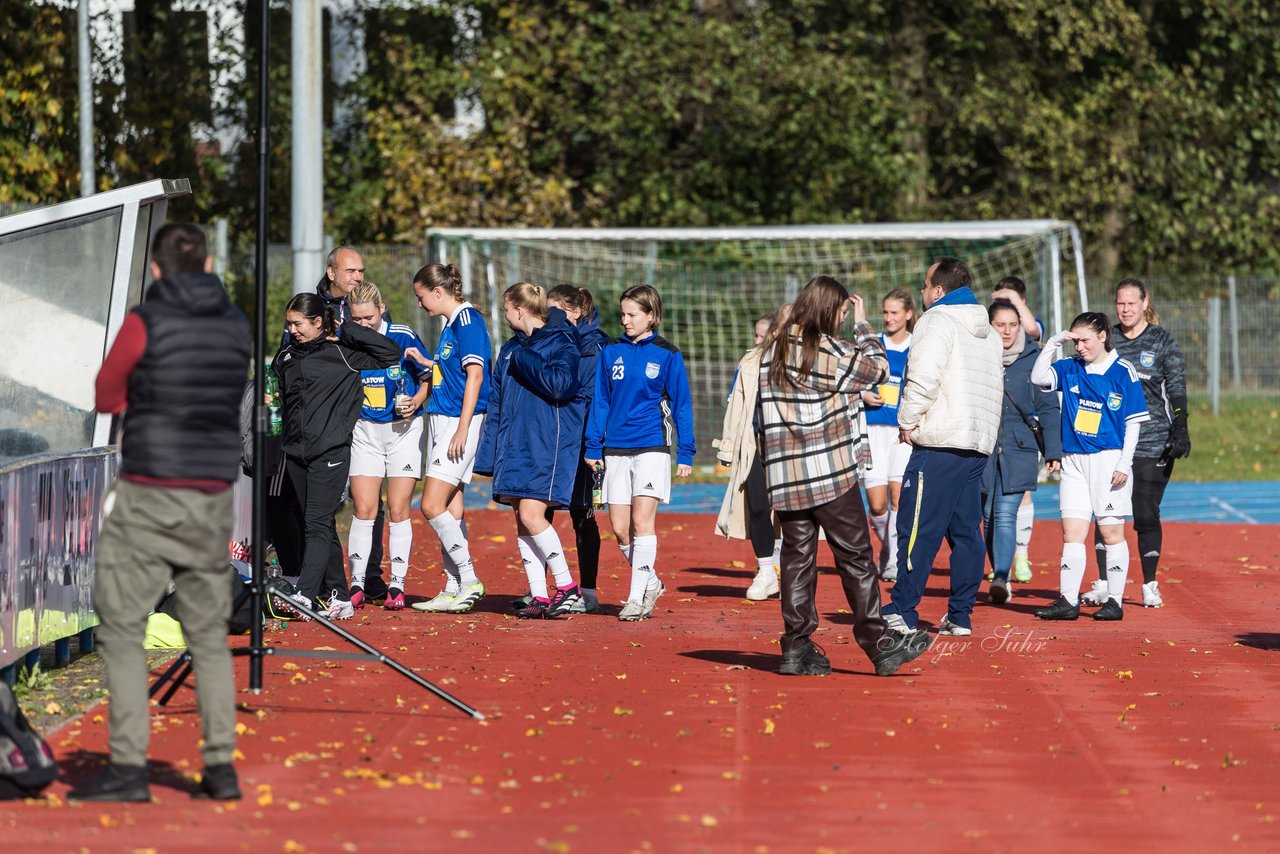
pixel 1179 439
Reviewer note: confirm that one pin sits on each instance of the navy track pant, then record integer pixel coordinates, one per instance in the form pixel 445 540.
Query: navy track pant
pixel 941 497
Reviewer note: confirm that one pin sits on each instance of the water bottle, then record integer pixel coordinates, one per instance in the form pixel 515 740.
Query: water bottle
pixel 271 563
pixel 271 386
pixel 402 399
pixel 597 486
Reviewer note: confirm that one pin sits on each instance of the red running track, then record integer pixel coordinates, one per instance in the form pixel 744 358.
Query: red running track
pixel 1161 732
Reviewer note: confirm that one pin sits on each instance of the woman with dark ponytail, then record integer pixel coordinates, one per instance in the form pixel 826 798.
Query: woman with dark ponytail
pixel 1140 339
pixel 579 307
pixel 319 373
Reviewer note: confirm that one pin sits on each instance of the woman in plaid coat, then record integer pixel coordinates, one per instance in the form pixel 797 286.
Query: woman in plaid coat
pixel 813 445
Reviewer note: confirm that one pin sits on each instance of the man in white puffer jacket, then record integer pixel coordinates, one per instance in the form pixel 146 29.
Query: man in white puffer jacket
pixel 950 414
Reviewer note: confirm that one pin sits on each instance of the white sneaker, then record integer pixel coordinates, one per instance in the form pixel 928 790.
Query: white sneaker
pixel 339 609
pixel 632 611
pixel 651 599
pixel 950 629
pixel 436 604
pixel 1098 594
pixel 588 604
pixel 1151 595
pixel 764 585
pixel 466 598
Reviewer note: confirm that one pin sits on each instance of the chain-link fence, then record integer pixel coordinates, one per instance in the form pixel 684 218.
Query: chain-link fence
pixel 1227 331
pixel 389 265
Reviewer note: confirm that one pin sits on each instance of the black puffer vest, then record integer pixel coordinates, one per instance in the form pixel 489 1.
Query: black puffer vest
pixel 183 417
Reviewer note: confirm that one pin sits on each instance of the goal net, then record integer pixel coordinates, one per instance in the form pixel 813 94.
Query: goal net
pixel 715 283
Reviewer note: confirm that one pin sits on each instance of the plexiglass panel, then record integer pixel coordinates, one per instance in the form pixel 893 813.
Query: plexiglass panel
pixel 55 292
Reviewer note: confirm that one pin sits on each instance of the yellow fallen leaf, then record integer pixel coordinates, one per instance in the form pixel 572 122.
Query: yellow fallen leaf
pixel 498 538
pixel 709 821
pixel 52 708
pixel 294 847
pixel 768 726
pixel 1124 674
pixel 618 710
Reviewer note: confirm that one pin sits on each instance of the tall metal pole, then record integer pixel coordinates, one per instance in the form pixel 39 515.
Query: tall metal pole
pixel 260 351
pixel 84 58
pixel 307 205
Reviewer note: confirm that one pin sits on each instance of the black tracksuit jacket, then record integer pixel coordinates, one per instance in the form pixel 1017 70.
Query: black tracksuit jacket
pixel 320 383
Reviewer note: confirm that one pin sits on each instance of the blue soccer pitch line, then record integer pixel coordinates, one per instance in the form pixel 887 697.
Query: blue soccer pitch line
pixel 1243 502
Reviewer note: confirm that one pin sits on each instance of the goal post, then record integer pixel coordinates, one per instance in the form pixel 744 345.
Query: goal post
pixel 715 282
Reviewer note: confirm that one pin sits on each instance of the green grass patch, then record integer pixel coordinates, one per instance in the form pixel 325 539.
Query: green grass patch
pixel 1241 442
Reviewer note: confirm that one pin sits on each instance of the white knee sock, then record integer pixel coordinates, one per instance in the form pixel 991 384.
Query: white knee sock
pixel 1026 518
pixel 891 556
pixel 1072 575
pixel 401 542
pixel 626 552
pixel 451 567
pixel 551 551
pixel 644 556
pixel 1117 570
pixel 880 525
pixel 454 544
pixel 359 541
pixel 534 568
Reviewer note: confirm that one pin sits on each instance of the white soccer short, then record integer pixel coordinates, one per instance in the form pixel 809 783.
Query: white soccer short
pixel 629 475
pixel 889 456
pixel 440 430
pixel 1086 492
pixel 387 450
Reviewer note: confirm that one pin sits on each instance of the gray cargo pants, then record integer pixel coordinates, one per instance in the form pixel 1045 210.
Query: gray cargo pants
pixel 149 535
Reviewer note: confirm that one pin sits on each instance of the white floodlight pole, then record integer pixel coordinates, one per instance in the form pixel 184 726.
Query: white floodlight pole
pixel 308 146
pixel 85 73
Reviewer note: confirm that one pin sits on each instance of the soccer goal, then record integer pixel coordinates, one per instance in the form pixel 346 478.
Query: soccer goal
pixel 715 282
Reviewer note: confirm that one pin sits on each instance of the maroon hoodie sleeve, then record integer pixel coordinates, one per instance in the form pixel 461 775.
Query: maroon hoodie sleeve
pixel 112 386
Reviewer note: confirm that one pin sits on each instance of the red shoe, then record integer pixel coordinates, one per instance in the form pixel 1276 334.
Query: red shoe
pixel 394 600
pixel 357 598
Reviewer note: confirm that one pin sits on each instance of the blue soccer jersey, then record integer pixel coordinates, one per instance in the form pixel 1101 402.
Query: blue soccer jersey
pixel 890 390
pixel 464 341
pixel 1098 401
pixel 381 387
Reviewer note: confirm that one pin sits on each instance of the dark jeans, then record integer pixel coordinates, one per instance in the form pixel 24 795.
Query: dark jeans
pixel 845 523
pixel 941 497
pixel 1150 477
pixel 319 483
pixel 760 518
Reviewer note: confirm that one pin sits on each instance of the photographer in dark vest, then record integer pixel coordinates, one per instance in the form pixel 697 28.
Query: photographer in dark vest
pixel 176 370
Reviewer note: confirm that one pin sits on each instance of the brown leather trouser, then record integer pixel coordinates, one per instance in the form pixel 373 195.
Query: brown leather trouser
pixel 845 523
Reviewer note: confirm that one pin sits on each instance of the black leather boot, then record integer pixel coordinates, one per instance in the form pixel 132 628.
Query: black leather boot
pixel 219 783
pixel 125 783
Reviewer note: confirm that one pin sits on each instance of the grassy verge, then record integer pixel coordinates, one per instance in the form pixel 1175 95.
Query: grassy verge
pixel 52 697
pixel 1241 442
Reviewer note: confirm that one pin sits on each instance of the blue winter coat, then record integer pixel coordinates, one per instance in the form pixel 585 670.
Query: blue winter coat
pixel 591 342
pixel 1016 453
pixel 533 429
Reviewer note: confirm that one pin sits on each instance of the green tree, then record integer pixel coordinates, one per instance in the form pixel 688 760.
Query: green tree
pixel 38 149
